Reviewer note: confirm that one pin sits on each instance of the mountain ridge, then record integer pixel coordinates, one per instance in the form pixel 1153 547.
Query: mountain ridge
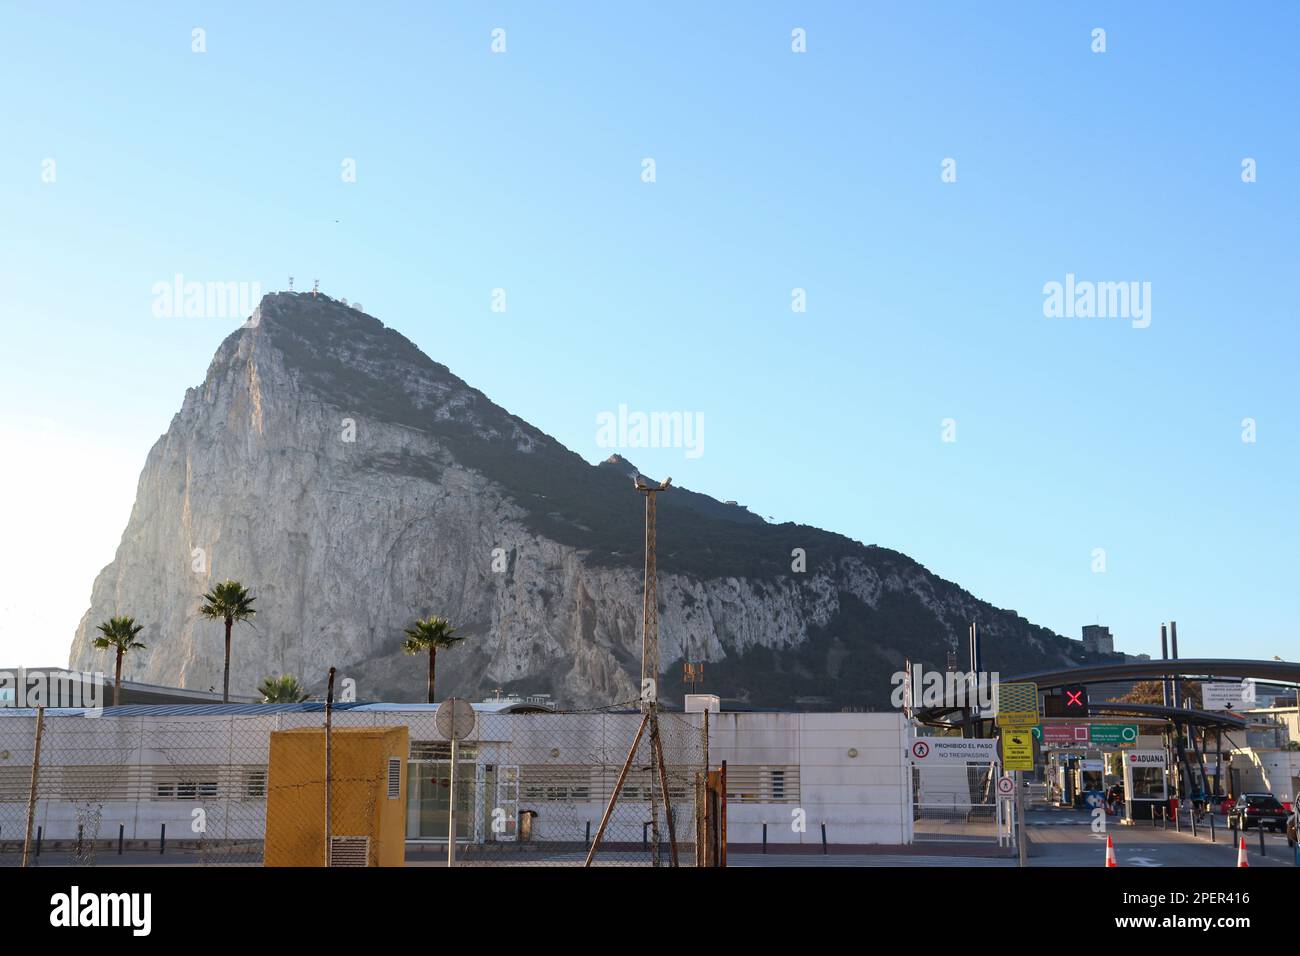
pixel 252 464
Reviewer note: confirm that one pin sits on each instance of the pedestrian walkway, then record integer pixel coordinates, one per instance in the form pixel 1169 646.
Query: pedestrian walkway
pixel 861 859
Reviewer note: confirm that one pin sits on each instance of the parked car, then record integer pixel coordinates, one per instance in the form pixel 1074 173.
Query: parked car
pixel 1258 809
pixel 1291 829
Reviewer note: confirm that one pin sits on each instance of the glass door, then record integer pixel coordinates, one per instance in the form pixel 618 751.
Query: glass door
pixel 428 809
pixel 508 800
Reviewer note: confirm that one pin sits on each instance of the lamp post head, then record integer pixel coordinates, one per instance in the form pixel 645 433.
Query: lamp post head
pixel 641 483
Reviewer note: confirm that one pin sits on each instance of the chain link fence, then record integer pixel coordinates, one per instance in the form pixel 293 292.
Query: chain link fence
pixel 958 804
pixel 197 789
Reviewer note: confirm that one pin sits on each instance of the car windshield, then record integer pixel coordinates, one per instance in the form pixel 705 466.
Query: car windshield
pixel 1269 803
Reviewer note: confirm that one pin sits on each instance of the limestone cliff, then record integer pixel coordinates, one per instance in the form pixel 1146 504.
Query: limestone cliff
pixel 354 484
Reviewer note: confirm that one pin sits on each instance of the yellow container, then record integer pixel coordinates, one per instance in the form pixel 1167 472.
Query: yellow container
pixel 368 794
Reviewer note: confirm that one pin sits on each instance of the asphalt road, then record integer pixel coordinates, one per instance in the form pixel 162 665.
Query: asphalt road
pixel 1061 837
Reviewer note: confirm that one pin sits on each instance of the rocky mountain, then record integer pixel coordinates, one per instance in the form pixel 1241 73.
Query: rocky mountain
pixel 353 484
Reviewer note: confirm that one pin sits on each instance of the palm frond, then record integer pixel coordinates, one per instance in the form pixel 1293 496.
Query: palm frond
pixel 228 601
pixel 431 632
pixel 119 631
pixel 284 689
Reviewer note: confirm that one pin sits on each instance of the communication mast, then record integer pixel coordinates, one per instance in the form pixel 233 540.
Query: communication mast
pixel 649 696
pixel 693 674
pixel 650 600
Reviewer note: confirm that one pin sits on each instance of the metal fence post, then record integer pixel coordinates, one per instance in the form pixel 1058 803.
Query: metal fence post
pixel 31 793
pixel 329 755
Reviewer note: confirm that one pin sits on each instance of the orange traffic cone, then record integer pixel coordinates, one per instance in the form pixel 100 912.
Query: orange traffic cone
pixel 1241 854
pixel 1110 851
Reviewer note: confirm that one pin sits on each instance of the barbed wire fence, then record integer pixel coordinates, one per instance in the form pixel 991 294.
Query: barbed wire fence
pixel 530 789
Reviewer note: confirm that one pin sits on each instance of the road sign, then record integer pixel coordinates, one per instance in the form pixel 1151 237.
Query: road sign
pixel 1121 734
pixel 1006 785
pixel 933 750
pixel 1146 758
pixel 454 718
pixel 1221 695
pixel 1017 748
pixel 1018 705
pixel 1075 697
pixel 1065 733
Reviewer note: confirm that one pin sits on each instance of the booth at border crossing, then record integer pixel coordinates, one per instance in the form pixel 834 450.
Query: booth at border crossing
pixel 1145 785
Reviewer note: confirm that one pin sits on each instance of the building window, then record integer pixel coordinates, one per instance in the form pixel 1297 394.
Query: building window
pixel 554 784
pixel 441 750
pixel 751 784
pixel 777 778
pixel 187 783
pixel 255 783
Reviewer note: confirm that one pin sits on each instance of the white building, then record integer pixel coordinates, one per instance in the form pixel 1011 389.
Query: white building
pixel 140 767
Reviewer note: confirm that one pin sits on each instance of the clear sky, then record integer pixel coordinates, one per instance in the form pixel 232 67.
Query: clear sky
pixel 774 170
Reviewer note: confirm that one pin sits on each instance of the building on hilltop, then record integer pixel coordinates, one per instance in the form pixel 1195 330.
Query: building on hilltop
pixel 1097 639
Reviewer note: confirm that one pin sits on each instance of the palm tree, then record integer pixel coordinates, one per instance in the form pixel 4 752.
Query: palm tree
pixel 284 689
pixel 119 632
pixel 231 602
pixel 431 634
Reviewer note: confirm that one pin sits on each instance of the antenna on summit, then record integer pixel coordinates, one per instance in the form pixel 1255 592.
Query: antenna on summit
pixel 315 287
pixel 290 283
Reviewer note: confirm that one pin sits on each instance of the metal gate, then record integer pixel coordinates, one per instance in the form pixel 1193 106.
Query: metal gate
pixel 957 802
pixel 508 802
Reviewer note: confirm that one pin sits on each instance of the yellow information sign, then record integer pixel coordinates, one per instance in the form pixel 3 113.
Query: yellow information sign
pixel 1018 705
pixel 1017 748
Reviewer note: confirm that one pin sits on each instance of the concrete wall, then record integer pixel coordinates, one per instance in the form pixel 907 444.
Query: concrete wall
pixel 849 768
pixel 852 776
pixel 1272 771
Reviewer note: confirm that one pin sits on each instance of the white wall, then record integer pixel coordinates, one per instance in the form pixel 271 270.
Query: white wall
pixel 863 798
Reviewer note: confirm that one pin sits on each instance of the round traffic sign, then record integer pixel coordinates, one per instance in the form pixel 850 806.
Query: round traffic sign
pixel 920 749
pixel 454 718
pixel 1006 786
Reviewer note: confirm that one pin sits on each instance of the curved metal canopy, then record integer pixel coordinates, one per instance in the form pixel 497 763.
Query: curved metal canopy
pixel 1209 718
pixel 1279 672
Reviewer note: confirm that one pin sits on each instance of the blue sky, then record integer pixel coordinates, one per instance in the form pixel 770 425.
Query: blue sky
pixel 774 170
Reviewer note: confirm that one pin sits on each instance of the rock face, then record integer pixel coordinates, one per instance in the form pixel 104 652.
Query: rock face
pixel 353 484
